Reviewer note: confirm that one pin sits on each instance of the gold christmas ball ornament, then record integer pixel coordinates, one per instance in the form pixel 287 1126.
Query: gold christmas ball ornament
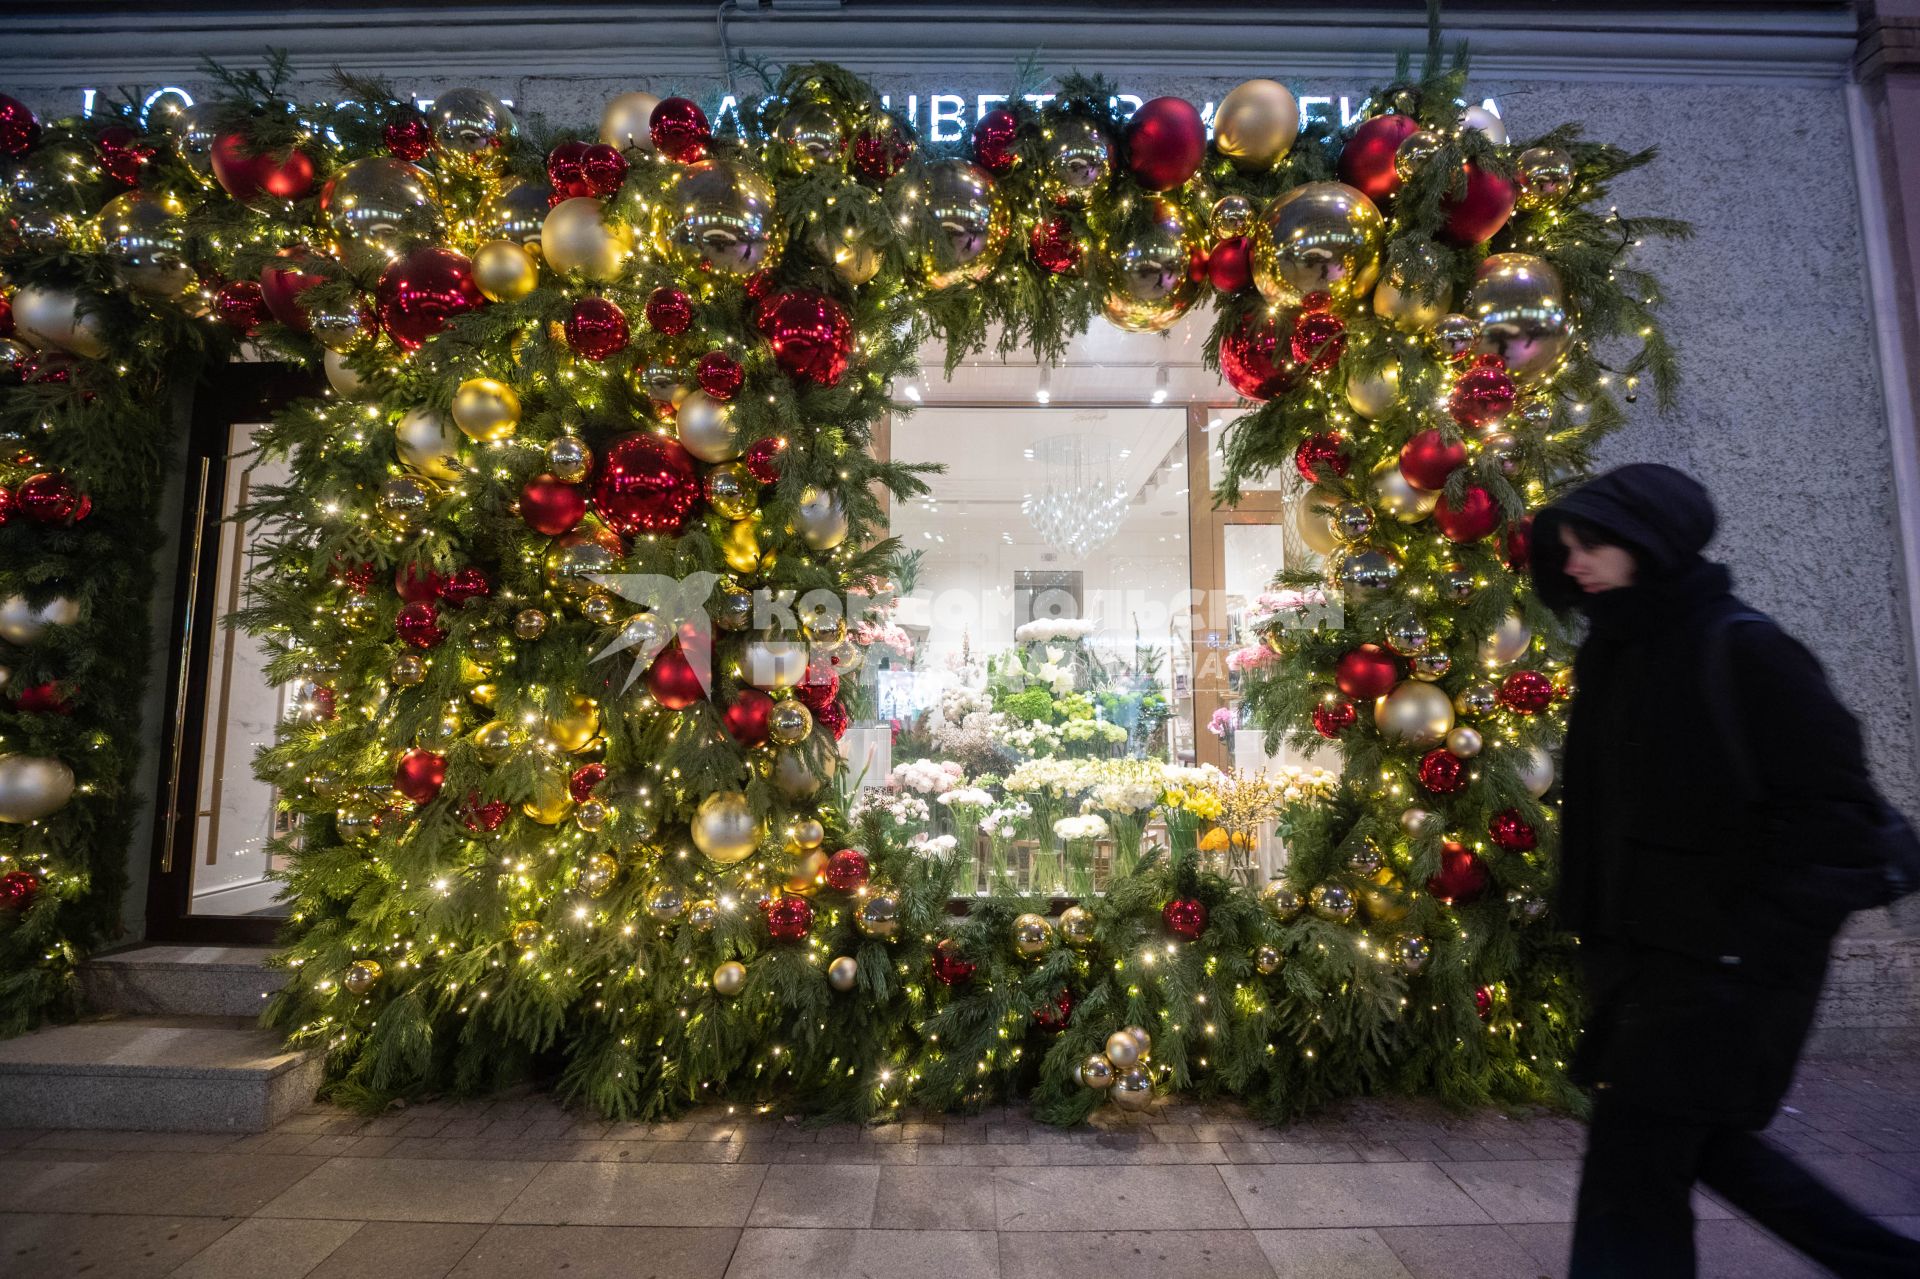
pixel 1367 572
pixel 1415 151
pixel 591 816
pixel 1314 528
pixel 794 777
pixel 362 975
pixel 529 624
pixel 22 623
pixel 1150 280
pixel 789 722
pixel 1415 821
pixel 808 872
pixel 1508 643
pixel 1075 926
pixel 575 725
pixel 573 561
pixel 1076 160
pixel 141 233
pixel 1231 216
pixel 809 137
pixel 707 428
pixel 375 209
pixel 599 875
pixel 704 914
pixel 550 801
pixel 1333 902
pixel 627 122
pixel 525 934
pixel 719 218
pixel 427 444
pixel 577 237
pixel 1255 124
pixel 1407 309
pixel 1365 860
pixel 772 664
pixel 1281 902
pixel 1414 714
pixel 732 491
pixel 192 138
pixel 505 271
pixel 809 833
pixel 32 787
pixel 404 504
pixel 56 318
pixel 1547 176
pixel 1032 936
pixel 730 978
pixel 473 132
pixel 820 520
pixel 1267 960
pixel 740 545
pixel 1372 394
pixel 1384 897
pixel 965 223
pixel 346 383
pixel 1465 742
pixel 843 974
pixel 666 901
pixel 1477 700
pixel 1141 1037
pixel 725 827
pixel 1536 772
pixel 880 916
pixel 1132 1089
pixel 1406 634
pixel 599 608
pixel 517 213
pixel 1399 499
pixel 407 670
pixel 1319 238
pixel 1521 306
pixel 1432 664
pixel 569 460
pixel 358 612
pixel 1411 953
pixel 1454 335
pixel 1123 1050
pixel 356 823
pixel 1095 1072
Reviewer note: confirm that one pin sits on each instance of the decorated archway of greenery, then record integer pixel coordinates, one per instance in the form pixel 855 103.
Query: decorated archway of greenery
pixel 574 372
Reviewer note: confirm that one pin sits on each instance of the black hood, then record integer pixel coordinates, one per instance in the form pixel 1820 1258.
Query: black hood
pixel 1664 516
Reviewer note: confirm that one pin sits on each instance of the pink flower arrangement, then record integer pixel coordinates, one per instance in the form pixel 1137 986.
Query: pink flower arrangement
pixel 1251 658
pixel 1222 722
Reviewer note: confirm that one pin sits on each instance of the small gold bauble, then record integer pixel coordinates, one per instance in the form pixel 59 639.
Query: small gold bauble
pixel 809 833
pixel 493 742
pixel 1123 1050
pixel 1267 960
pixel 361 976
pixel 1411 953
pixel 1141 1037
pixel 1281 901
pixel 820 520
pixel 666 901
pixel 550 801
pixel 1333 902
pixel 740 546
pixel 345 381
pixel 505 271
pixel 574 728
pixel 140 232
pixel 1464 742
pixel 808 137
pixel 599 874
pixel 627 122
pixel 1477 700
pixel 1372 394
pixel 576 236
pixel 1231 216
pixel 591 816
pixel 1401 500
pixel 443 730
pixel 1032 936
pixel 473 132
pixel 356 824
pixel 730 978
pixel 808 872
pixel 880 916
pixel 704 914
pixel 599 609
pixel 843 973
pixel 1414 151
pixel 1546 176
pixel 1415 714
pixel 405 503
pixel 1132 1089
pixel 373 208
pixel 407 670
pixel 725 827
pixel 1149 276
pixel 525 934
pixel 1076 927
pixel 486 408
pixel 1536 772
pixel 529 624
pixel 732 607
pixel 794 777
pixel 732 491
pixel 1415 821
pixel 1077 160
pixel 482 694
pixel 966 223
pixel 1384 897
pixel 706 428
pixel 789 722
pixel 1365 860
pixel 1255 124
pixel 1402 303
pixel 1095 1072
pixel 569 459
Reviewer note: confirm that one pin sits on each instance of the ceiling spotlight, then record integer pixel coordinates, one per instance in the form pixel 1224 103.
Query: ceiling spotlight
pixel 1160 386
pixel 1043 393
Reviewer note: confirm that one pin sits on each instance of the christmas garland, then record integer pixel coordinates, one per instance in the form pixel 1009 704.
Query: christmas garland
pixel 598 395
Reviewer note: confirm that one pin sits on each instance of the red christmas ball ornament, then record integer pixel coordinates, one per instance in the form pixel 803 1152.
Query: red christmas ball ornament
pixel 357 578
pixel 1056 1012
pixel 1462 877
pixel 1334 715
pixel 483 818
pixel 418 625
pixel 242 307
pixel 1254 357
pixel 1442 772
pixel 1483 1002
pixel 1230 265
pixel 746 718
pixel 818 690
pixel 581 782
pixel 19 131
pixel 993 141
pixel 1366 672
pixel 6 316
pixel 1476 516
pixel 17 890
pixel 669 311
pixel 680 130
pixel 407 135
pixel 834 718
pixel 811 336
pixel 121 156
pixel 596 329
pixel 551 506
pixel 949 969
pixel 1317 453
pixel 1483 394
pixel 421 293
pixel 47 368
pixel 847 870
pixel 1429 458
pixel 647 484
pixel 1185 917
pixel 282 281
pixel 1477 211
pixel 1526 692
pixel 464 586
pixel 419 776
pixel 879 154
pixel 1509 831
pixel 719 375
pixel 789 918
pixel 1366 161
pixel 245 173
pixel 320 703
pixel 43 699
pixel 604 169
pixel 416 583
pixel 6 506
pixel 567 170
pixel 1052 246
pixel 762 459
pixel 1319 339
pixel 46 498
pixel 673 681
pixel 1165 140
pixel 1517 546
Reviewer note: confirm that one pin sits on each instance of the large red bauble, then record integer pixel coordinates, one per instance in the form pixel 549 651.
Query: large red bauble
pixel 1429 458
pixel 948 968
pixel 1366 672
pixel 567 169
pixel 243 174
pixel 17 890
pixel 746 719
pixel 647 484
pixel 669 311
pixel 762 460
pixel 1166 140
pixel 19 131
pixel 407 135
pixel 1254 357
pixel 416 583
pixel 1052 247
pixel 719 375
pixel 847 870
pixel 1317 453
pixel 241 306
pixel 551 506
pixel 47 498
pixel 1366 162
pixel 680 130
pixel 605 170
pixel 583 779
pixel 1517 547
pixel 1230 265
pixel 1462 877
pixel 421 293
pixel 993 140
pixel 818 690
pixel 1483 394
pixel 789 918
pixel 834 718
pixel 281 284
pixel 1442 772
pixel 418 625
pixel 1511 832
pixel 1056 1012
pixel 811 336
pixel 465 585
pixel 419 775
pixel 879 154
pixel 596 330
pixel 1185 917
pixel 483 818
pixel 673 681
pixel 1334 715
pixel 1476 213
pixel 1476 516
pixel 121 155
pixel 43 699
pixel 1526 692
pixel 1318 341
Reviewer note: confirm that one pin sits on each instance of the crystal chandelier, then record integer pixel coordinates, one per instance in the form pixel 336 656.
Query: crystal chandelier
pixel 1078 506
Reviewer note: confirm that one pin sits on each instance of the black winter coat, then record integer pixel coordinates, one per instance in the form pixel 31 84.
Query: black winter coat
pixel 1699 904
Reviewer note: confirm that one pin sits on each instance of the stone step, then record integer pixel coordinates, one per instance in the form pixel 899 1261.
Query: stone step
pixel 159 1074
pixel 181 981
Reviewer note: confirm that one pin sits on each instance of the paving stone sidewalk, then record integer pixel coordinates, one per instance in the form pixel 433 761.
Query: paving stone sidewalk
pixel 518 1187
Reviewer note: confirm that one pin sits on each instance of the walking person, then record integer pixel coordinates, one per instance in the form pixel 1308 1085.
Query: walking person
pixel 1718 826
